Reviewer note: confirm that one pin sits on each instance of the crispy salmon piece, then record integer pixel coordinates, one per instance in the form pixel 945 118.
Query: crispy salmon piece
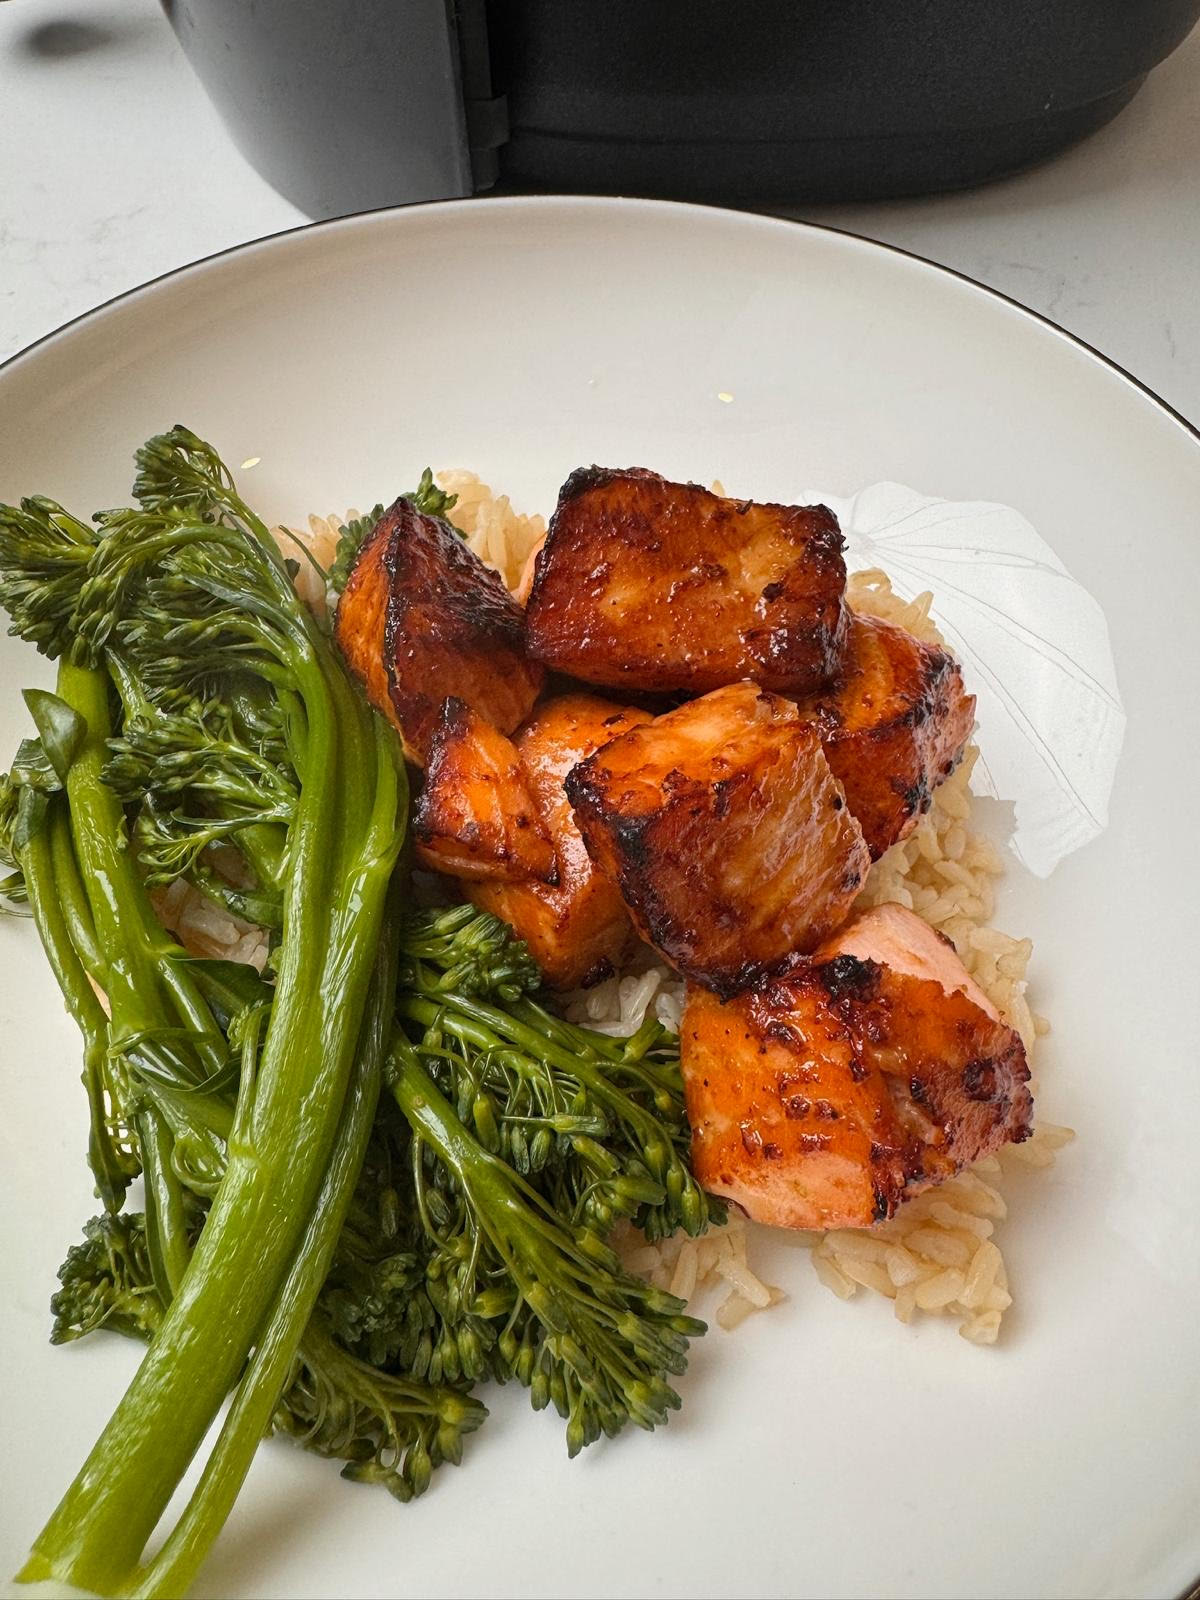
pixel 900 940
pixel 893 723
pixel 851 1081
pixel 661 586
pixel 785 1120
pixel 475 816
pixel 726 832
pixel 421 619
pixel 578 930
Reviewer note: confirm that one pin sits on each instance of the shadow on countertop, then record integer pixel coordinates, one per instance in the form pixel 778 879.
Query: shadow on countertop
pixel 69 36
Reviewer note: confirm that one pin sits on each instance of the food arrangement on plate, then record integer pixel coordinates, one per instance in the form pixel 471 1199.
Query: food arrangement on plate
pixel 458 1042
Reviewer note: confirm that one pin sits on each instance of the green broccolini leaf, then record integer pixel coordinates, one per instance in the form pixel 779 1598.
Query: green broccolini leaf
pixel 61 730
pixel 24 808
pixel 23 795
pixel 12 884
pixel 31 768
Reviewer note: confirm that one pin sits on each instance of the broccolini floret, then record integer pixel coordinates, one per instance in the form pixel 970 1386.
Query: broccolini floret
pixel 387 1429
pixel 533 1138
pixel 584 1335
pixel 427 498
pixel 106 1282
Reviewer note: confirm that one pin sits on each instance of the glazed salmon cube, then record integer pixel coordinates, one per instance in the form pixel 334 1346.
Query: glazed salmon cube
pixel 893 723
pixel 577 930
pixel 726 833
pixel 854 1079
pixel 475 816
pixel 949 1056
pixel 422 619
pixel 894 937
pixel 649 585
pixel 785 1121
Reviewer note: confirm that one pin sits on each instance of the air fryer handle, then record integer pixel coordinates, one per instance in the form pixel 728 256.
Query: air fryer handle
pixel 342 107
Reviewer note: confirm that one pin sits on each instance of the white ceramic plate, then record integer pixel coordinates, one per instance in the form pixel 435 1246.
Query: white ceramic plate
pixel 823 1449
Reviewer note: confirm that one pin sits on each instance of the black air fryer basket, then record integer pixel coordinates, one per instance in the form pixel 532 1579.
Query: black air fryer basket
pixel 346 105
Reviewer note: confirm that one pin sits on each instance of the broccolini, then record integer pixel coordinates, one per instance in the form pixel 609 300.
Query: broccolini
pixel 190 593
pixel 343 1266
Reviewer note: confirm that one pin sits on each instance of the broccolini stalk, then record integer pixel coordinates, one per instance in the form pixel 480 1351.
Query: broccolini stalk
pixel 441 1417
pixel 63 920
pixel 150 999
pixel 597 1342
pixel 389 1429
pixel 192 592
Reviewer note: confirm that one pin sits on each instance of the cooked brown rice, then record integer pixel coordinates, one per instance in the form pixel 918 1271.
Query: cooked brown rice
pixel 496 532
pixel 939 1254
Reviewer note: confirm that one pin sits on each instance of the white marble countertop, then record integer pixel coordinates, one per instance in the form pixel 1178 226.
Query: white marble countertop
pixel 114 168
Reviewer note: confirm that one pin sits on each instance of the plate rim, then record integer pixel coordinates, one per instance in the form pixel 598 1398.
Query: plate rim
pixel 683 211
pixel 630 203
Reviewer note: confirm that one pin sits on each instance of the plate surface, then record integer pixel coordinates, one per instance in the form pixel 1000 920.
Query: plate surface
pixel 823 1449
